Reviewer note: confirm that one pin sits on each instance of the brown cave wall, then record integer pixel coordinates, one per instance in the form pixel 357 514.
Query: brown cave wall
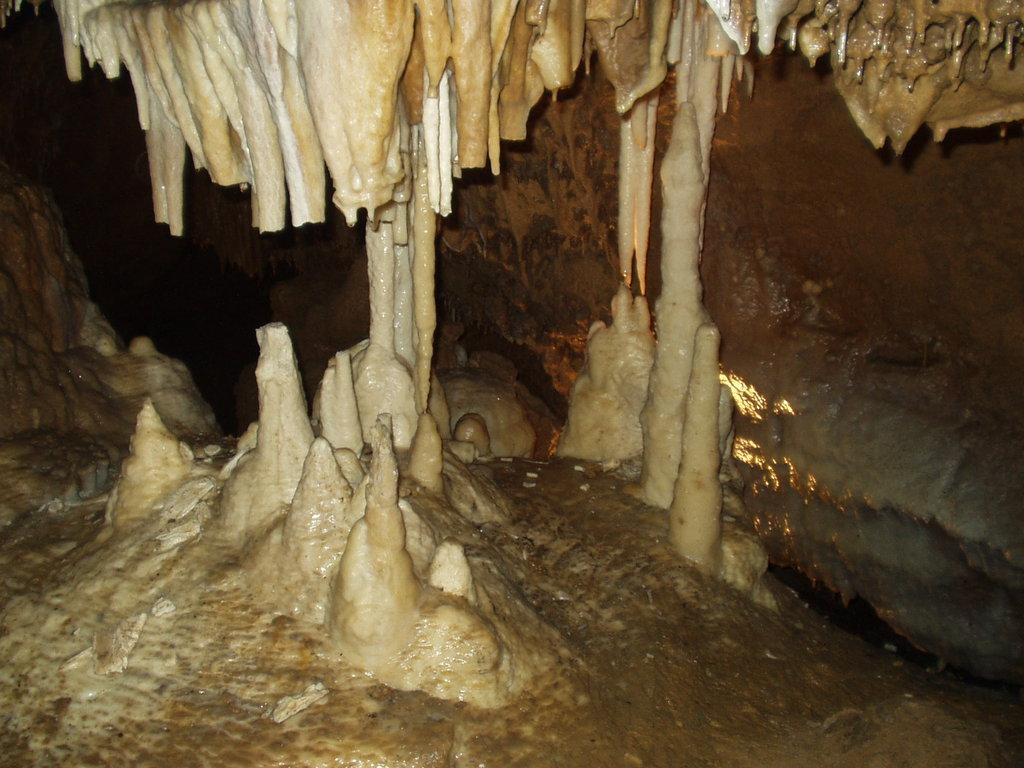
pixel 881 300
pixel 529 256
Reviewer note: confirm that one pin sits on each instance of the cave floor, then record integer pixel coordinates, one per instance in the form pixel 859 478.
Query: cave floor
pixel 659 666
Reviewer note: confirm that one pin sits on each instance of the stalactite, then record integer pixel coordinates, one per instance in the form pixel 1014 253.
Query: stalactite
pixel 424 235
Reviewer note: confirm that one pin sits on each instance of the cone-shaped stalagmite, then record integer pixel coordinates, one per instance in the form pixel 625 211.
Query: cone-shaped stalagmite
pixel 157 464
pixel 266 478
pixel 609 393
pixel 449 571
pixel 317 526
pixel 292 567
pixel 335 407
pixel 374 605
pixel 695 524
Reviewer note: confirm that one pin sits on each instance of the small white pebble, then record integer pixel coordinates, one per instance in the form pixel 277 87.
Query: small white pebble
pixel 770 655
pixel 212 450
pixel 578 468
pixel 532 474
pixel 890 647
pixel 289 706
pixel 78 659
pixel 529 485
pixel 585 487
pixel 163 607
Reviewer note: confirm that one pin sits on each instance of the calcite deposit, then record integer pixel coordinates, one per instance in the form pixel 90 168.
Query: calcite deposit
pixel 393 551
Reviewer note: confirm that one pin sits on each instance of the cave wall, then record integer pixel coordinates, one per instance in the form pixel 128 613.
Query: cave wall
pixel 875 304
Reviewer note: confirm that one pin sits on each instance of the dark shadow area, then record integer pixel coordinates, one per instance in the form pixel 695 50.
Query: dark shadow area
pixel 858 617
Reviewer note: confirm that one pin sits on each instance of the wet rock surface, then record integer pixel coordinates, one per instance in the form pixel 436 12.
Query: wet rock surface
pixel 872 313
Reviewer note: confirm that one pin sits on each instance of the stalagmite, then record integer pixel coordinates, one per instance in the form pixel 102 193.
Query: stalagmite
pixel 351 467
pixel 318 507
pixel 471 428
pixel 495 404
pixel 265 479
pixel 384 619
pixel 293 566
pixel 426 460
pixel 695 524
pixel 374 608
pixel 449 571
pixel 158 463
pixel 609 393
pixel 335 409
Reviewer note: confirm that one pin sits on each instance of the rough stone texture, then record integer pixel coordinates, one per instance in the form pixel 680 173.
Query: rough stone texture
pixel 63 370
pixel 882 301
pixel 529 255
pixel 880 297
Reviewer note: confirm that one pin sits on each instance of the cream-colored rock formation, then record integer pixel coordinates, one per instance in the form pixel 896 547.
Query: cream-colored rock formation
pixel 610 391
pixel 157 464
pixel 263 94
pixel 485 410
pixel 387 577
pixel 382 581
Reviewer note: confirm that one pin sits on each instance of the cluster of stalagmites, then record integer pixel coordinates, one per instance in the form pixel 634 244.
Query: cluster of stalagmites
pixel 325 536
